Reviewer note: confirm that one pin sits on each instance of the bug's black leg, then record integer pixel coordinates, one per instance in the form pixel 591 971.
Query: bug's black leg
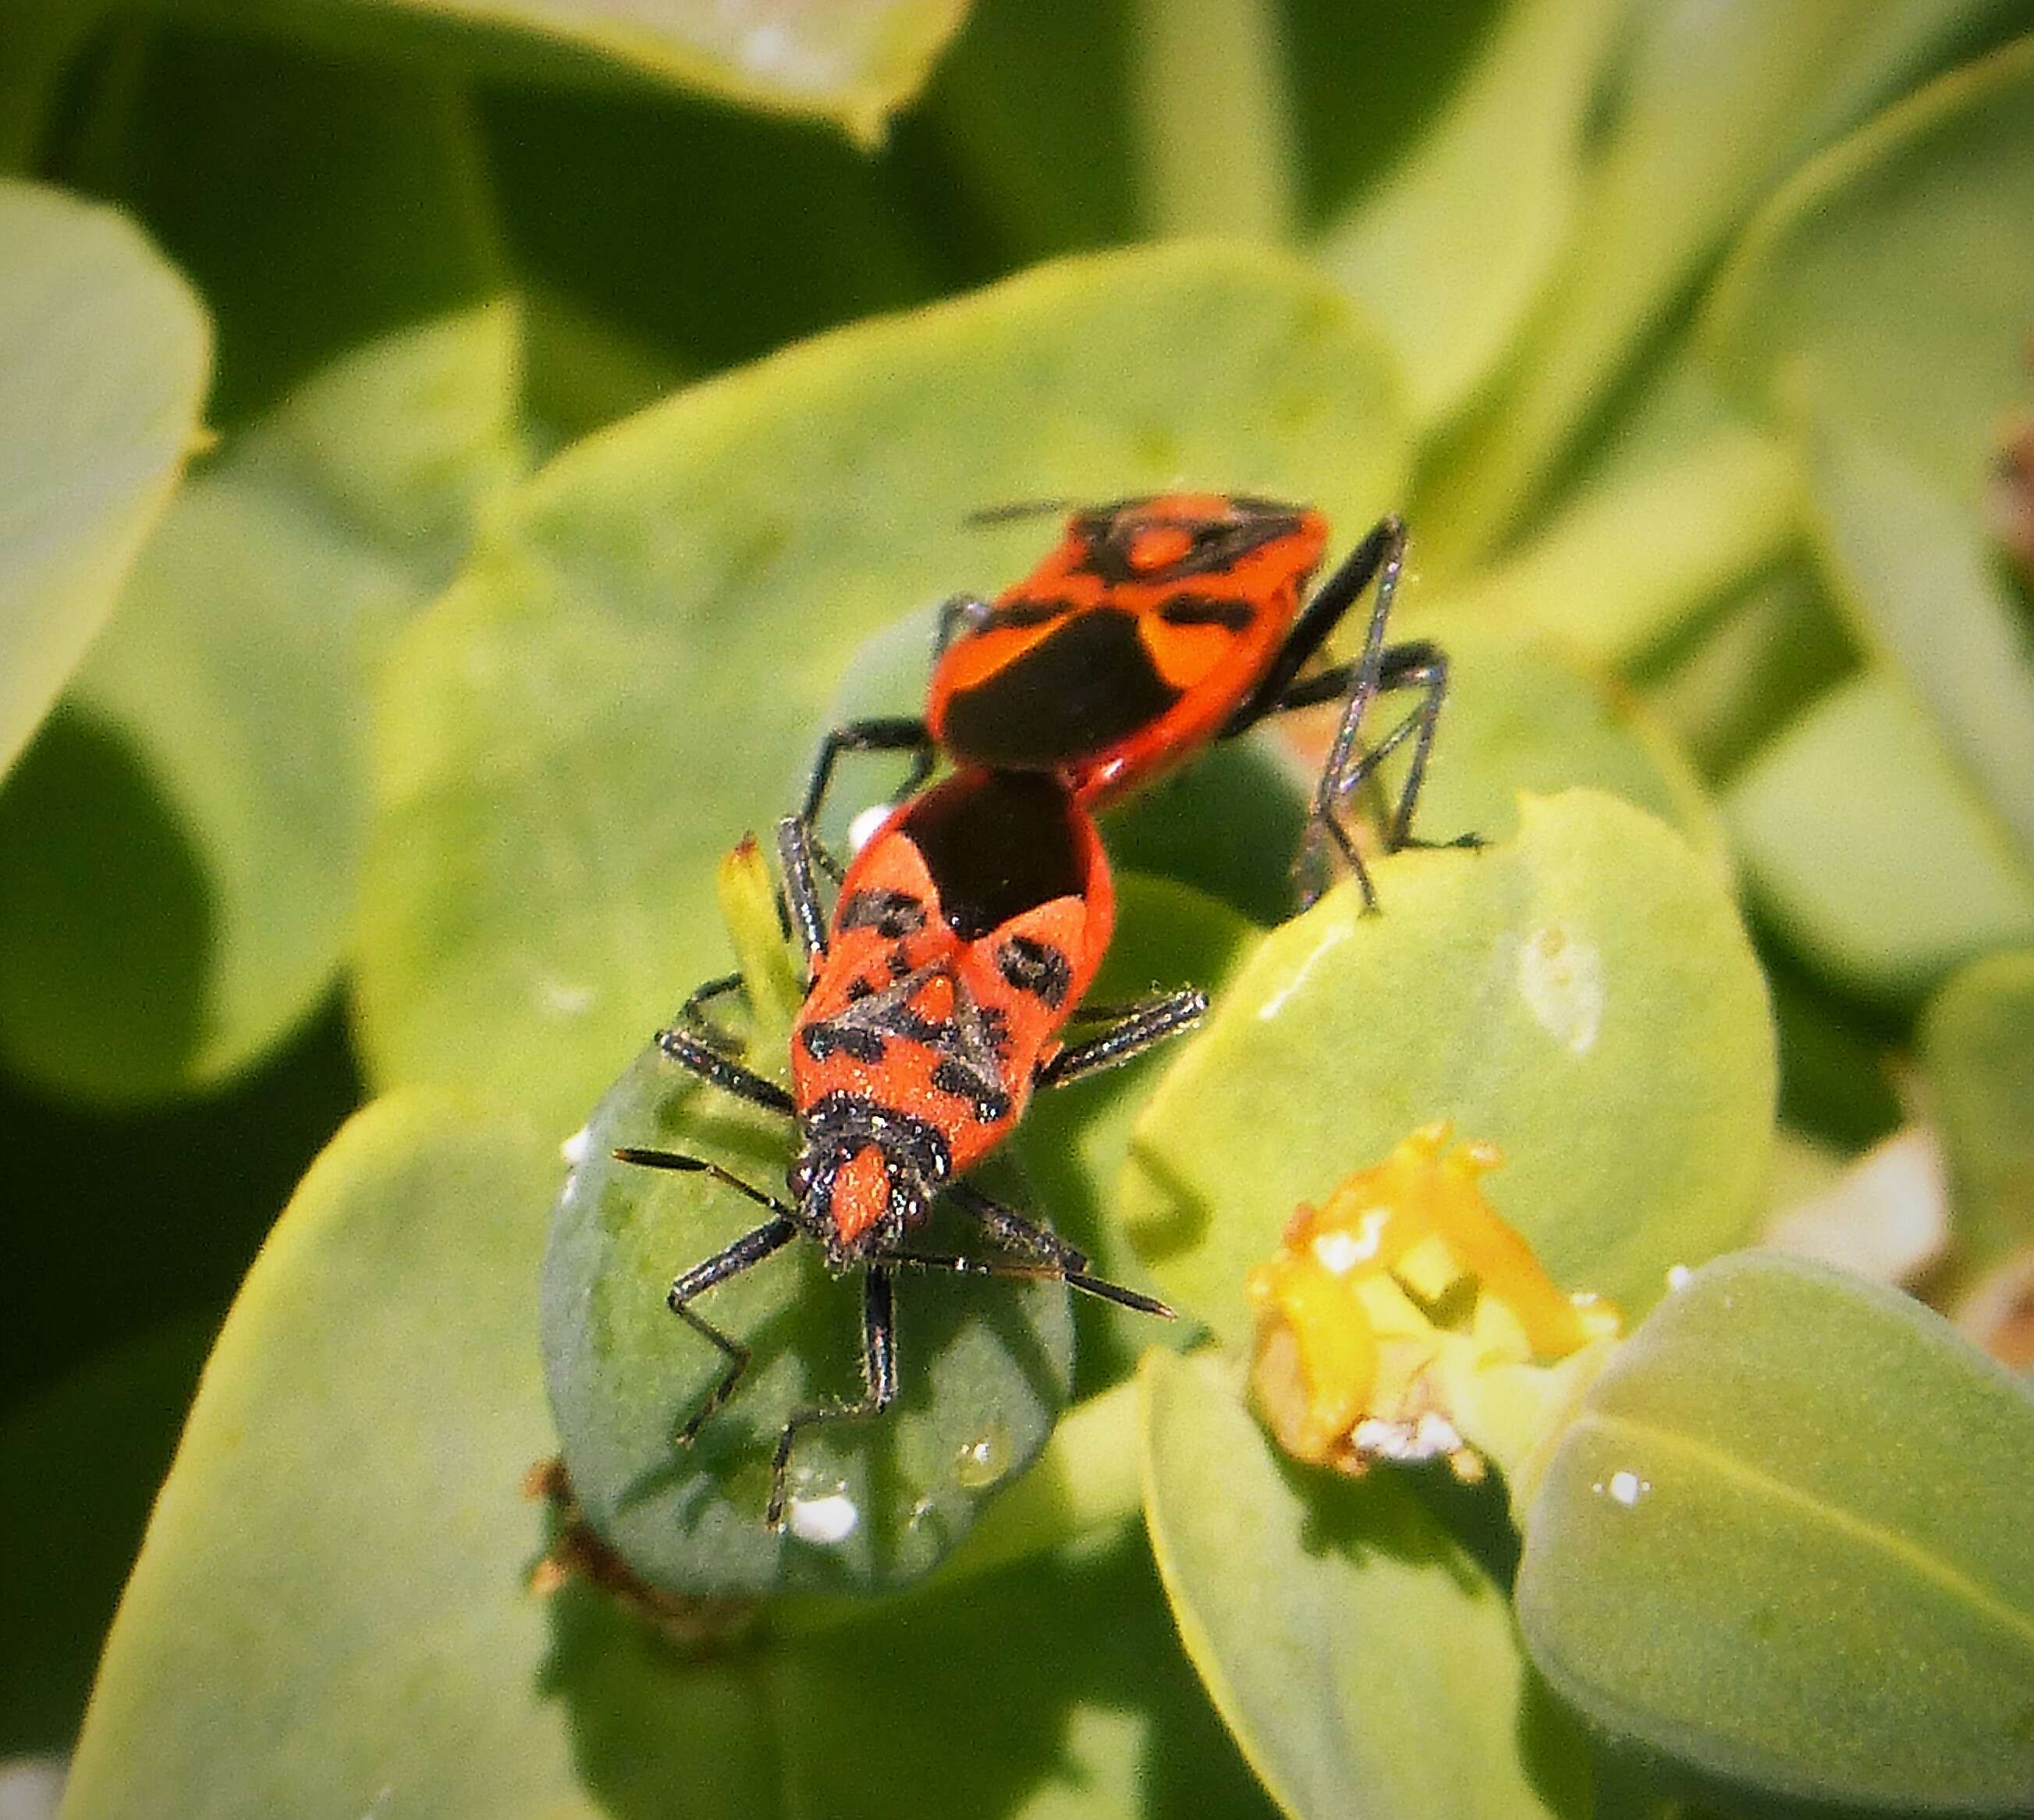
pixel 1100 1287
pixel 1011 1230
pixel 794 849
pixel 1380 553
pixel 1135 1033
pixel 960 612
pixel 751 1248
pixel 887 732
pixel 692 1015
pixel 879 1373
pixel 707 1062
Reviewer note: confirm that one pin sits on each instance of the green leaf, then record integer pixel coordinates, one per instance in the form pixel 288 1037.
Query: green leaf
pixel 1860 840
pixel 1594 961
pixel 177 862
pixel 1837 289
pixel 1056 1692
pixel 1786 1546
pixel 333 1583
pixel 1977 1049
pixel 1365 1662
pixel 104 356
pixel 1712 103
pixel 983 1369
pixel 68 1540
pixel 1918 576
pixel 632 668
pixel 1628 569
pixel 1212 118
pixel 1830 315
pixel 1454 248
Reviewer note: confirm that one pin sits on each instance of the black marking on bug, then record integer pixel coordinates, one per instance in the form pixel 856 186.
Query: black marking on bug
pixel 991 1102
pixel 1088 684
pixel 1198 610
pixel 1031 965
pixel 900 964
pixel 858 989
pixel 1021 614
pixel 847 1036
pixel 892 915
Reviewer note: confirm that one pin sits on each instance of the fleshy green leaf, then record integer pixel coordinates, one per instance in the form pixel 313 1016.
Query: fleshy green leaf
pixel 1628 569
pixel 179 852
pixel 1786 1546
pixel 1860 840
pixel 1452 249
pixel 1056 1692
pixel 1833 313
pixel 332 1607
pixel 1842 287
pixel 1977 1046
pixel 104 356
pixel 333 1583
pixel 1213 126
pixel 631 671
pixel 983 1369
pixel 1365 1662
pixel 1594 962
pixel 1712 103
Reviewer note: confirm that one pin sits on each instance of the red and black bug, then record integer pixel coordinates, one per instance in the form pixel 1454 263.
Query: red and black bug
pixel 963 936
pixel 1155 626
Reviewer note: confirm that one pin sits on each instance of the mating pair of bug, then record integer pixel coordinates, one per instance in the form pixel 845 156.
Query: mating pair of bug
pixel 966 932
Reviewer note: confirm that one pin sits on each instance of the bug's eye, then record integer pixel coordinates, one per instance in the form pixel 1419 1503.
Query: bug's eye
pixel 1159 546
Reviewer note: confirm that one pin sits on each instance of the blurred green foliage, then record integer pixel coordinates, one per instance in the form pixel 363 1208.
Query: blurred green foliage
pixel 594 411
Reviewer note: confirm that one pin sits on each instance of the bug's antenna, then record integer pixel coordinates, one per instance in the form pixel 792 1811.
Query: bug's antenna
pixel 1017 508
pixel 699 1165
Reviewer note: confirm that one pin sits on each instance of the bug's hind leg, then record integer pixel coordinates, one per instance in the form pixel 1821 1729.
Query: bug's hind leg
pixel 878 1371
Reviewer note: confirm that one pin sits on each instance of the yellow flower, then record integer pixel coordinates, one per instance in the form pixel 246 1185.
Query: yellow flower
pixel 1383 1305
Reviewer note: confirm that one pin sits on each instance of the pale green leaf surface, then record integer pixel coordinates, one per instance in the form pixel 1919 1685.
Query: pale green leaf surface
pixel 1595 960
pixel 1891 283
pixel 1785 1545
pixel 1211 118
pixel 1712 103
pixel 196 814
pixel 1631 566
pixel 1976 1043
pixel 332 1589
pixel 636 659
pixel 1920 582
pixel 104 357
pixel 984 1368
pixel 1860 839
pixel 1365 1662
pixel 1453 248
